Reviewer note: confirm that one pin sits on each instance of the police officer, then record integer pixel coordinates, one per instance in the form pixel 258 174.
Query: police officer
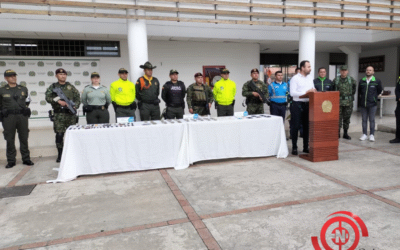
pixel 224 94
pixel 123 95
pixel 63 118
pixel 254 101
pixel 346 85
pixel 278 92
pixel 147 91
pixel 95 100
pixel 173 93
pixel 321 83
pixel 397 113
pixel 14 102
pixel 199 96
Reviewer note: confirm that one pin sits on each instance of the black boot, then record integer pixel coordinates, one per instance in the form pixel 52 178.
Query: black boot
pixel 346 136
pixel 396 140
pixel 59 154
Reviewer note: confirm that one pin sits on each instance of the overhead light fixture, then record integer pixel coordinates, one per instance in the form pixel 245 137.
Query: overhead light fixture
pixel 25 45
pixel 5 44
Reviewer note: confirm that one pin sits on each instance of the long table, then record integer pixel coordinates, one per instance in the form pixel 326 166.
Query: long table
pixel 157 145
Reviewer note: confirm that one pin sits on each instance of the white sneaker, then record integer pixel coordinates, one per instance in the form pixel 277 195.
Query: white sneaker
pixel 363 137
pixel 371 138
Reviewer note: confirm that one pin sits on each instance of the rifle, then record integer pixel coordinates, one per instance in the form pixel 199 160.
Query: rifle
pixel 254 88
pixel 64 98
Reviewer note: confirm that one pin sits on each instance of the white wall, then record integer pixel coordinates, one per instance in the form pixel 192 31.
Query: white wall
pixel 321 60
pixel 190 57
pixel 187 57
pixel 387 77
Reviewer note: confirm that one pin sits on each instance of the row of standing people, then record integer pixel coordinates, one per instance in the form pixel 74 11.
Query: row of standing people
pixel 14 101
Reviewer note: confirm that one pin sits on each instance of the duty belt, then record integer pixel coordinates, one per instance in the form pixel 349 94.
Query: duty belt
pixel 15 112
pixel 118 106
pixel 346 97
pixel 199 103
pixel 280 104
pixel 174 105
pixel 102 107
pixel 64 111
pixel 149 102
pixel 254 101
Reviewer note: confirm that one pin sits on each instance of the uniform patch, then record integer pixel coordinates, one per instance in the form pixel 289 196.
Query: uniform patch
pixel 120 89
pixel 221 88
pixel 22 93
pixel 69 87
pixel 6 95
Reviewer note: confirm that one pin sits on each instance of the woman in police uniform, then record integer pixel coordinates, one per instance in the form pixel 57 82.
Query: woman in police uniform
pixel 96 99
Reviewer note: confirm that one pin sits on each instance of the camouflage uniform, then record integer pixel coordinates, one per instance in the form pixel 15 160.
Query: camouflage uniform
pixel 62 116
pixel 347 88
pixel 197 100
pixel 254 104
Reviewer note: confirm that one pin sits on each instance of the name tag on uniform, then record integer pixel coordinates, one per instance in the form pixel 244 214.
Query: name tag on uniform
pixel 6 95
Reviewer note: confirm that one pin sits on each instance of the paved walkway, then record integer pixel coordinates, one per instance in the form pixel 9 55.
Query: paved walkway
pixel 260 203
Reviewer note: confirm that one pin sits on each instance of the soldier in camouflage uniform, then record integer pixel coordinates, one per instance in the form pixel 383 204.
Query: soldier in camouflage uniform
pixel 198 96
pixel 254 102
pixel 346 85
pixel 62 115
pixel 14 114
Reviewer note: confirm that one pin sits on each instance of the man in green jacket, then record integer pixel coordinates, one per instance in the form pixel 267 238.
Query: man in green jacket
pixel 369 88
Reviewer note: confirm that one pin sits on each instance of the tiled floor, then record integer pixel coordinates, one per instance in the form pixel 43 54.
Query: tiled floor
pixel 263 203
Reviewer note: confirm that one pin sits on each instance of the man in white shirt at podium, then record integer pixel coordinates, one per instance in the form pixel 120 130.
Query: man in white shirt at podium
pixel 300 84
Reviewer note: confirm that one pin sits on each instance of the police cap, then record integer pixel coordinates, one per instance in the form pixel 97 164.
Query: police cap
pixel 9 72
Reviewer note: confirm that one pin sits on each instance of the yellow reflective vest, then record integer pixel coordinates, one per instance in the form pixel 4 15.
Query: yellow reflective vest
pixel 123 92
pixel 224 91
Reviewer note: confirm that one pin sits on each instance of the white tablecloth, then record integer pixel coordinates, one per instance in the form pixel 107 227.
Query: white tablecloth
pixel 231 138
pixel 143 147
pixel 120 149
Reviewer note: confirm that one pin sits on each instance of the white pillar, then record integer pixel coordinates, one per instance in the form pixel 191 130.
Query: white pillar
pixel 137 45
pixel 353 55
pixel 307 44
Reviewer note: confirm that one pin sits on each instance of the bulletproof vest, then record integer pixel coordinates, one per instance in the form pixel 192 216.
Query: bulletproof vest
pixel 199 93
pixel 174 94
pixel 346 90
pixel 345 87
pixel 14 98
pixel 252 98
pixel 67 88
pixel 149 93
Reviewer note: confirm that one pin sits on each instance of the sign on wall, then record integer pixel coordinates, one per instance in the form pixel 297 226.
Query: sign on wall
pixel 378 62
pixel 38 75
pixel 212 74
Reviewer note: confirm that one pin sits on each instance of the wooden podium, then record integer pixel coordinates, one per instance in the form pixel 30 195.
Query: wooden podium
pixel 324 126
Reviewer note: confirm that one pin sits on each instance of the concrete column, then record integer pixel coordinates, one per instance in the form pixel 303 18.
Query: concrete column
pixel 353 55
pixel 307 44
pixel 137 45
